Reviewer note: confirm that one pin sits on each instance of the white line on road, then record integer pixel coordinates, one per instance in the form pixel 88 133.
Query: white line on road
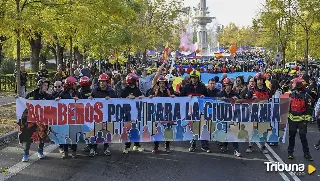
pixel 22 165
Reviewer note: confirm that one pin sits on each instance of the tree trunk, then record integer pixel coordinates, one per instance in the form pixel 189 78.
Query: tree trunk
pixel 144 60
pixel 36 46
pixel 18 80
pixel 59 54
pixel 78 55
pixel 2 39
pixel 306 56
pixel 283 57
pixel 71 58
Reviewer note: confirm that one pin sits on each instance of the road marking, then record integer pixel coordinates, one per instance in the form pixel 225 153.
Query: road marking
pixel 274 154
pixel 280 160
pixel 22 165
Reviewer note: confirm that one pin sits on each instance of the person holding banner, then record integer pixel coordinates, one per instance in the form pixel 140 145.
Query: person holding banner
pixel 300 114
pixel 228 93
pixel 70 92
pixel 162 91
pixel 104 90
pixel 260 91
pixel 196 88
pixel 132 91
pixel 38 94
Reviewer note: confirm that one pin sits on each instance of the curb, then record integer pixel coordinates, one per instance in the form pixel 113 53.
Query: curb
pixel 9 136
pixel 9 104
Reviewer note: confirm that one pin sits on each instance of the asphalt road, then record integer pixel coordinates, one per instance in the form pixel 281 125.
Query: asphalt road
pixel 180 165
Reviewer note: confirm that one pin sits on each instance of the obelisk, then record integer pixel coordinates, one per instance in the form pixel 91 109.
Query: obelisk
pixel 202 20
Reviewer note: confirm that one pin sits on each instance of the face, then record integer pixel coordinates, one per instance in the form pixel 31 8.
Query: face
pixel 144 72
pixel 228 88
pixel 22 69
pixel 259 82
pixel 194 80
pixel 57 87
pixel 293 85
pixel 211 84
pixel 162 84
pixel 103 83
pixel 310 81
pixel 59 69
pixel 238 81
pixel 252 82
pixel 44 87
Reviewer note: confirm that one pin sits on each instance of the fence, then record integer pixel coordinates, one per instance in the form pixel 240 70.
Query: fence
pixel 8 82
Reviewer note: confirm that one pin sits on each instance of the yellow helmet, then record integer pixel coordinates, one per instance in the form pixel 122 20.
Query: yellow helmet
pixel 293 72
pixel 195 73
pixel 285 70
pixel 268 70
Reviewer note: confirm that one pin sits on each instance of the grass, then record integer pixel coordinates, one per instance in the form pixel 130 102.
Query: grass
pixel 8 122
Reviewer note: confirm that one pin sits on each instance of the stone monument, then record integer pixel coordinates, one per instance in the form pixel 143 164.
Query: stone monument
pixel 202 20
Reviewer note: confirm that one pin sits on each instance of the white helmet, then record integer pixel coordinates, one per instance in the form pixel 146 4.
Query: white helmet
pixel 170 77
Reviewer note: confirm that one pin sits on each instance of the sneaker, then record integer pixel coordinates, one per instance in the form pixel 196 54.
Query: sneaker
pixel 317 147
pixel 192 149
pixel 25 158
pixel 223 149
pixel 74 154
pixel 126 151
pixel 86 149
pixel 273 144
pixel 237 153
pixel 168 150
pixel 155 150
pixel 290 156
pixel 107 152
pixel 308 157
pixel 61 150
pixel 249 150
pixel 92 153
pixel 206 149
pixel 137 148
pixel 64 155
pixel 264 150
pixel 40 155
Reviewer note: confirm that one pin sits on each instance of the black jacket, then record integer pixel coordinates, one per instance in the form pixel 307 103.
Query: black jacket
pixel 128 90
pixel 99 93
pixel 66 95
pixel 194 90
pixel 85 92
pixel 36 95
pixel 213 93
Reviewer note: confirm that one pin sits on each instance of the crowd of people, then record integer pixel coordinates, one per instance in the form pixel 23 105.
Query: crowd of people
pixel 150 80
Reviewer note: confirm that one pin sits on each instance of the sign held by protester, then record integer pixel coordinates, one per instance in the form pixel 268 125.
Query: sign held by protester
pixel 146 120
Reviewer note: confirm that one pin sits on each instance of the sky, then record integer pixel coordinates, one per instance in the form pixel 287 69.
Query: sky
pixel 240 12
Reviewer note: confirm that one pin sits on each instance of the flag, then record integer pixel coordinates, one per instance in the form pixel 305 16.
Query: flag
pixel 218 54
pixel 165 52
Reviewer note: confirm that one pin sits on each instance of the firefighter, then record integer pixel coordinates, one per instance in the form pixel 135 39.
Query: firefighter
pixel 70 92
pixel 162 91
pixel 132 91
pixel 104 90
pixel 300 113
pixel 228 93
pixel 196 88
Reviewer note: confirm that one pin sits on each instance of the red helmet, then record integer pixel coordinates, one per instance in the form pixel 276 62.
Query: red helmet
pixel 260 75
pixel 84 81
pixel 132 78
pixel 162 79
pixel 300 83
pixel 227 81
pixel 103 77
pixel 70 82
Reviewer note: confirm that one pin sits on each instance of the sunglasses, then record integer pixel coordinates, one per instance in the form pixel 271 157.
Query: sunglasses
pixel 57 86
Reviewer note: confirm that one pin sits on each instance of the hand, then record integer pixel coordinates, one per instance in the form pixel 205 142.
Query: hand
pixel 131 96
pixel 172 96
pixel 190 95
pixel 202 96
pixel 90 97
pixel 107 97
pixel 17 96
pixel 76 98
pixel 58 99
pixel 235 98
pixel 140 97
pixel 151 96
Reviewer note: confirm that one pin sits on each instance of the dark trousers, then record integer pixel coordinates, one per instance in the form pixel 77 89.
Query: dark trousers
pixel 95 146
pixel 26 147
pixel 66 147
pixel 204 143
pixel 128 144
pixel 167 143
pixel 293 127
pixel 234 144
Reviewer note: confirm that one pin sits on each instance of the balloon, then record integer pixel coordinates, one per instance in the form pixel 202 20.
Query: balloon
pixel 233 49
pixel 197 51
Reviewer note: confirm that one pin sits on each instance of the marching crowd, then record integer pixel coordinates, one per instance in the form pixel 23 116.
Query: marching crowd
pixel 153 81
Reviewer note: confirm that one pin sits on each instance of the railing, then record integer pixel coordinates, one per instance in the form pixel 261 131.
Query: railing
pixel 8 82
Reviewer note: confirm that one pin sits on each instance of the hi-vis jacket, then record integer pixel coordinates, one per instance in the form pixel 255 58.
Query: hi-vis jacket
pixel 300 106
